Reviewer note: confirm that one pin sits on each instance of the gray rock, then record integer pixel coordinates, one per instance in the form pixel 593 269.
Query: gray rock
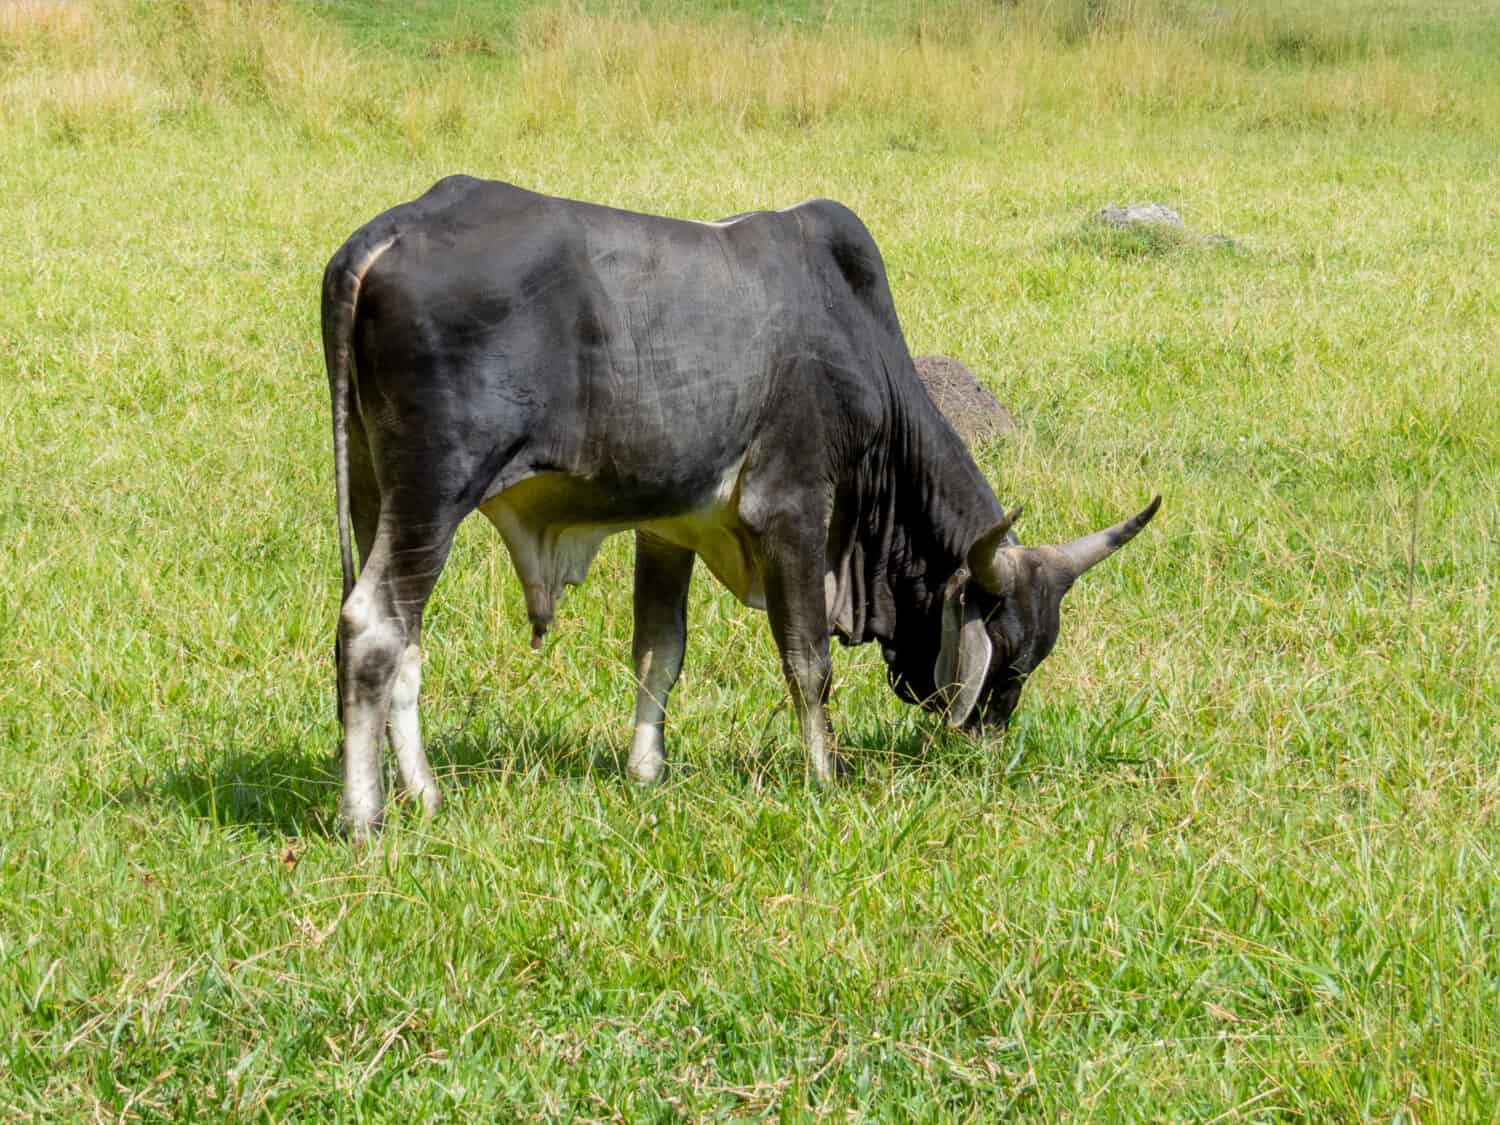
pixel 969 408
pixel 1139 214
pixel 1158 222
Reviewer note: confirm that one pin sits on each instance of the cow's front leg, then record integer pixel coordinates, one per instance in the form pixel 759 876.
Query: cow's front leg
pixel 662 576
pixel 798 609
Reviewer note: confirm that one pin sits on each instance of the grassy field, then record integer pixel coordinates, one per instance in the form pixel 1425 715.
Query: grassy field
pixel 1236 858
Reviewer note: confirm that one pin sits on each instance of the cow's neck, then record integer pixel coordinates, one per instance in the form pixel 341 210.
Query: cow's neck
pixel 922 505
pixel 944 502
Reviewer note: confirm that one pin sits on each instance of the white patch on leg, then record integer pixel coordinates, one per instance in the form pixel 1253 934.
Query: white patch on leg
pixel 406 733
pixel 366 637
pixel 806 682
pixel 362 803
pixel 648 756
pixel 363 800
pixel 815 735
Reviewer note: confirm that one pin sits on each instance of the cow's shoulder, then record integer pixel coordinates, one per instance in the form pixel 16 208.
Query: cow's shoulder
pixel 835 231
pixel 832 218
pixel 470 193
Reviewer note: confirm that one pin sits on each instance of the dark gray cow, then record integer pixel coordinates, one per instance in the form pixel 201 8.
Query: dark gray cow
pixel 739 391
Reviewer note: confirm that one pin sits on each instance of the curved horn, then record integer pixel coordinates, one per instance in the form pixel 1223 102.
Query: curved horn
pixel 1083 553
pixel 988 563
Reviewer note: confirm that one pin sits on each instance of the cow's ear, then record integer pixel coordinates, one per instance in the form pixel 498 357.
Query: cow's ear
pixel 963 661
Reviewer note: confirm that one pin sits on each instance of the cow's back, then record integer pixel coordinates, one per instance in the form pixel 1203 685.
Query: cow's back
pixel 638 354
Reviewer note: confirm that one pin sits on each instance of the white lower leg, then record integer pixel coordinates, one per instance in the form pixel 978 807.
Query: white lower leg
pixel 406 733
pixel 648 757
pixel 817 738
pixel 371 650
pixel 809 679
pixel 363 800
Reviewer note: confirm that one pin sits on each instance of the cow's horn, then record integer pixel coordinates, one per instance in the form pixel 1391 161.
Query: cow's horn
pixel 1083 553
pixel 991 567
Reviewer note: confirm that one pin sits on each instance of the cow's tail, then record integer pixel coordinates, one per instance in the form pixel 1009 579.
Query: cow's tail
pixel 341 283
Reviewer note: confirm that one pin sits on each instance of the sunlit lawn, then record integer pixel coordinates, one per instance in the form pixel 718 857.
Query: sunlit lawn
pixel 1236 858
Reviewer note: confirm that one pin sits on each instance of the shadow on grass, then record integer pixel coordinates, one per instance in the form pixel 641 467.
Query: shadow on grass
pixel 294 791
pixel 926 745
pixel 1040 739
pixel 770 753
pixel 550 750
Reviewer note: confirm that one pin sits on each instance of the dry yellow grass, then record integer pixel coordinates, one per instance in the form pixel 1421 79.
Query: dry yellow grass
pixel 76 67
pixel 623 72
pixel 26 23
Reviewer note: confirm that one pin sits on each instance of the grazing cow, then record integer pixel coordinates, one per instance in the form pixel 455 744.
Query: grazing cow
pixel 738 391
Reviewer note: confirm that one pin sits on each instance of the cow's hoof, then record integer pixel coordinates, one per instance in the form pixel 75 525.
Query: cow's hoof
pixel 428 797
pixel 646 771
pixel 647 763
pixel 360 820
pixel 832 769
pixel 360 830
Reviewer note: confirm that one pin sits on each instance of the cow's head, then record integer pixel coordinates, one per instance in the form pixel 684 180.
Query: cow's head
pixel 999 621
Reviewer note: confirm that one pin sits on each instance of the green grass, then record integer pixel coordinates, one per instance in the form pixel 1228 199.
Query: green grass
pixel 1236 858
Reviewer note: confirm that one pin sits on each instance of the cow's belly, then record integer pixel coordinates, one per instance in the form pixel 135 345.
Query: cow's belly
pixel 552 542
pixel 716 536
pixel 714 533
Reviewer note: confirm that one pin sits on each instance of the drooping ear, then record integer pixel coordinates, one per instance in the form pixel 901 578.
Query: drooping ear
pixel 963 661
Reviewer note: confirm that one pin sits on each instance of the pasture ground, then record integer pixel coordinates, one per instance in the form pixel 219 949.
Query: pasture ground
pixel 1236 858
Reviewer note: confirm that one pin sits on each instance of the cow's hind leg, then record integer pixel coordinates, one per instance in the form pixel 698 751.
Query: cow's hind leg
pixel 662 576
pixel 402 725
pixel 405 731
pixel 379 629
pixel 364 517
